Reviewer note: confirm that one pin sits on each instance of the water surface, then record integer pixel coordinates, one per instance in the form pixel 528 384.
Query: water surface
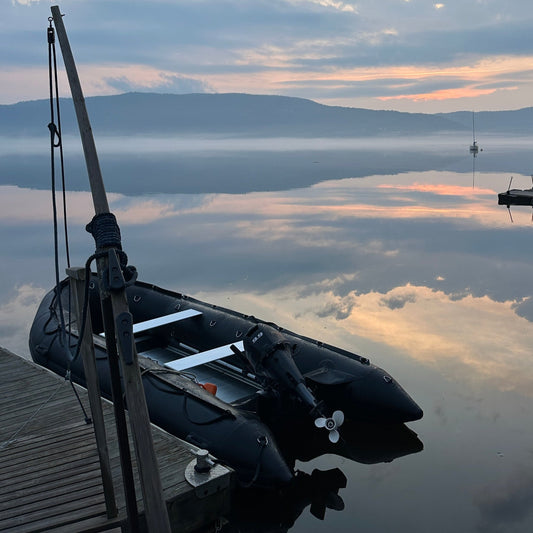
pixel 417 270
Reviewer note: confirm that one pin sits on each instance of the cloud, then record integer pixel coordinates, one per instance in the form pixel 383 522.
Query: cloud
pixel 120 78
pixel 294 47
pixel 164 82
pixel 205 45
pixel 16 316
pixel 435 329
pixel 444 94
pixel 466 339
pixel 506 503
pixel 398 301
pixel 352 256
pixel 440 189
pixel 14 202
pixel 334 4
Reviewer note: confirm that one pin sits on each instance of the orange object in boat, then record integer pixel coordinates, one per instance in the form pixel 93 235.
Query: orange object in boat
pixel 209 387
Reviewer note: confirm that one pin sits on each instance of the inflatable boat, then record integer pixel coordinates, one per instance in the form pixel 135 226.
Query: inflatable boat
pixel 224 381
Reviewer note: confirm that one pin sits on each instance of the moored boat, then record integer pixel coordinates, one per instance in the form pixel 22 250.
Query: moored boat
pixel 202 385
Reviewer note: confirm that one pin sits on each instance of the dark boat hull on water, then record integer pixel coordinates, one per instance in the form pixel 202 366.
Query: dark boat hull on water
pixel 240 425
pixel 516 197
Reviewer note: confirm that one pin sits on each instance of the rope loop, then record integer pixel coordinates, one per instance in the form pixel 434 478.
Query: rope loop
pixel 105 230
pixel 54 134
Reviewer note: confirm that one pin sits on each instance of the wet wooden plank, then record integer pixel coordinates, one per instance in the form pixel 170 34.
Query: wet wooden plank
pixel 49 473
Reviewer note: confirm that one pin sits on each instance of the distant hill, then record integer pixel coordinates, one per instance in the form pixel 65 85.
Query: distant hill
pixel 249 115
pixel 221 114
pixel 519 121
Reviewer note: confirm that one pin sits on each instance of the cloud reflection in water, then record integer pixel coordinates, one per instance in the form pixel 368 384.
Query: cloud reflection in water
pixel 418 271
pixel 350 257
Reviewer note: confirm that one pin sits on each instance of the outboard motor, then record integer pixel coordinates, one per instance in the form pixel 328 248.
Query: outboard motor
pixel 269 354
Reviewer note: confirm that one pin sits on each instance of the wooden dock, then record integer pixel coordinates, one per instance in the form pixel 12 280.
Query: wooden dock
pixel 49 468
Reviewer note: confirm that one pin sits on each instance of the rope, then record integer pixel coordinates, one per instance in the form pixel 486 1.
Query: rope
pixel 263 443
pixel 54 134
pixel 104 228
pixel 12 438
pixel 225 413
pixel 56 142
pixel 81 328
pixel 59 144
pixel 87 417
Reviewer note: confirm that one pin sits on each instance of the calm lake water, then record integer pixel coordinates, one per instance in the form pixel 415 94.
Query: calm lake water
pixel 405 262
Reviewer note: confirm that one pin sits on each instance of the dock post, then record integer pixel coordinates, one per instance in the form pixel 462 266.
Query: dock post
pixel 77 282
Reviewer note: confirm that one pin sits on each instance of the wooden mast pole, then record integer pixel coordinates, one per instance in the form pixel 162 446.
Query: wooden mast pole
pixel 154 503
pixel 87 139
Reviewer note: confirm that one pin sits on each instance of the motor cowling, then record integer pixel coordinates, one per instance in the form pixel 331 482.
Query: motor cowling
pixel 270 355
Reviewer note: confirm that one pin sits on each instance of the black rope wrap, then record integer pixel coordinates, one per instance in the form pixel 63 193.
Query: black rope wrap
pixel 106 233
pixel 104 228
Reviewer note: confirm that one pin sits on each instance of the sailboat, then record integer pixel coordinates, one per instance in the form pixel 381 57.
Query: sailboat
pixel 474 149
pixel 222 380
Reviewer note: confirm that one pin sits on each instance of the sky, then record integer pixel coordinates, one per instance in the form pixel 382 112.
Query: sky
pixel 405 55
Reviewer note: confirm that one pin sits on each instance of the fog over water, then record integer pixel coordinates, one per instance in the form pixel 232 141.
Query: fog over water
pixel 388 251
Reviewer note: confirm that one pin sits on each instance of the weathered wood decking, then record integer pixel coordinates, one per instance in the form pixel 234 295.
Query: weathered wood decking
pixel 49 469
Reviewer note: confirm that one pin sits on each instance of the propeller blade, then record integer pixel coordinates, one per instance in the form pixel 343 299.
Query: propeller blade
pixel 338 417
pixel 335 502
pixel 334 436
pixel 318 509
pixel 320 422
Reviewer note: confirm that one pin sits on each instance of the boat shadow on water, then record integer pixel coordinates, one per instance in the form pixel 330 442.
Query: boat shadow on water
pixel 276 511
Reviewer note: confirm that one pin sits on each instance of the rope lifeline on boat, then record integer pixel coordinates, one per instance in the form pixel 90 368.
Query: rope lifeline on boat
pixel 161 386
pixel 262 440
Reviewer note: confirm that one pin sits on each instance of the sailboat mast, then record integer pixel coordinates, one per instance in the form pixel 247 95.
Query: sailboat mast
pixel 89 148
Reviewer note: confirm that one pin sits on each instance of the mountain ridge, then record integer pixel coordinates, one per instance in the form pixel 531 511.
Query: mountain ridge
pixel 238 114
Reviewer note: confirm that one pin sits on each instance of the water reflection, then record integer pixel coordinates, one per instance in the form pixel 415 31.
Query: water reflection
pixel 277 511
pixel 170 165
pixel 361 442
pixel 418 271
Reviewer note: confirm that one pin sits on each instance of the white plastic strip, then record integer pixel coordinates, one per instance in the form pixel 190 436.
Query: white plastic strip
pixel 162 320
pixel 204 357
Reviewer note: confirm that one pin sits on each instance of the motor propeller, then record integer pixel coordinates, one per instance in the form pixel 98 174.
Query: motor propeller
pixel 331 424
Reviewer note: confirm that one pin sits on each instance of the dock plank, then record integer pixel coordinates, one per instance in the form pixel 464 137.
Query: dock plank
pixel 49 469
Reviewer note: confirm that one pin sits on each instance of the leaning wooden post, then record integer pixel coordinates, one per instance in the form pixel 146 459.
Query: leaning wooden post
pixel 154 503
pixel 77 282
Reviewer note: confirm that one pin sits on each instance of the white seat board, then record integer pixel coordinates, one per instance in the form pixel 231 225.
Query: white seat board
pixel 163 320
pixel 202 358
